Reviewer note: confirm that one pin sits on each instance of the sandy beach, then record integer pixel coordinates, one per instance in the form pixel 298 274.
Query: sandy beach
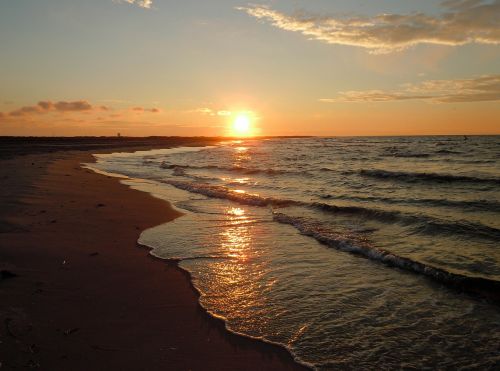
pixel 240 185
pixel 77 291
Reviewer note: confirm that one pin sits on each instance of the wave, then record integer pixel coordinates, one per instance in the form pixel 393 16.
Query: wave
pixel 178 171
pixel 228 194
pixel 480 205
pixel 353 244
pixel 378 214
pixel 448 152
pixel 429 177
pixel 420 223
pixel 238 169
pixel 405 155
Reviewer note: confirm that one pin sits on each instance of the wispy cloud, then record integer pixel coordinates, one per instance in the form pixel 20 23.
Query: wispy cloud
pixel 143 110
pixel 49 106
pixel 479 89
pixel 147 4
pixel 462 22
pixel 82 106
pixel 213 112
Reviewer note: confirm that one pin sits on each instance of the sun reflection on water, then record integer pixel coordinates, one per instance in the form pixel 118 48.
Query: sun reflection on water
pixel 241 154
pixel 242 181
pixel 236 211
pixel 236 238
pixel 240 279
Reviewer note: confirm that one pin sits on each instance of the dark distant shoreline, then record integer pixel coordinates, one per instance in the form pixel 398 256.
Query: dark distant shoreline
pixel 12 146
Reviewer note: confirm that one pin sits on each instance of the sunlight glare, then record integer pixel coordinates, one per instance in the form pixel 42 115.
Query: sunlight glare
pixel 241 125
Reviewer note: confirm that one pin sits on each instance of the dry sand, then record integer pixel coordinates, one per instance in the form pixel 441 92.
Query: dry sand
pixel 86 296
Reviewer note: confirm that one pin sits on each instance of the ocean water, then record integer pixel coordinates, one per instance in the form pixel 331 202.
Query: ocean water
pixel 353 253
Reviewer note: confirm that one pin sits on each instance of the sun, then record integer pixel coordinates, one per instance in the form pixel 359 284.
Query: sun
pixel 241 125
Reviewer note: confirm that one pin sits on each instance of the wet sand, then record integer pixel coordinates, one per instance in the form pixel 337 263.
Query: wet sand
pixel 85 295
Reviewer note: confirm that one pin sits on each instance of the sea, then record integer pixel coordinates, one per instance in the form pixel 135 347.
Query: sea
pixel 351 252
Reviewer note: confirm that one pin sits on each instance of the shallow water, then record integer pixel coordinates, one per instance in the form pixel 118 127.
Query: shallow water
pixel 351 252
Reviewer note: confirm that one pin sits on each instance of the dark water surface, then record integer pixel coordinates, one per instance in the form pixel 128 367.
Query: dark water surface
pixel 352 252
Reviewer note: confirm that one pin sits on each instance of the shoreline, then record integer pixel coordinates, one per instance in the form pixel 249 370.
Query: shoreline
pixel 175 262
pixel 221 321
pixel 74 300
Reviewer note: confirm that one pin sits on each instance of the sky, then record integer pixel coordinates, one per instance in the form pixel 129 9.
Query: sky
pixel 287 67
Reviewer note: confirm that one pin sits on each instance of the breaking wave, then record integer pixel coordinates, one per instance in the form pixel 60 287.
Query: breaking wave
pixel 237 169
pixel 426 177
pixel 420 223
pixel 228 194
pixel 360 246
pixel 481 205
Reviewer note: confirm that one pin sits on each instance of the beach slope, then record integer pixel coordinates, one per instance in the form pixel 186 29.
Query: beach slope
pixel 78 293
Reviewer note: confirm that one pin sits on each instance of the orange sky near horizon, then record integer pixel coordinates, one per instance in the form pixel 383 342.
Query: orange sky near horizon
pixel 373 120
pixel 191 68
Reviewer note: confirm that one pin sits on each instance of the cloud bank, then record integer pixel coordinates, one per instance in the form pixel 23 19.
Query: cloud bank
pixel 479 89
pixel 49 106
pixel 212 112
pixel 143 110
pixel 63 107
pixel 462 22
pixel 146 4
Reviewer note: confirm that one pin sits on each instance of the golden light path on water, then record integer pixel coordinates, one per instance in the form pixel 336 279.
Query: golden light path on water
pixel 237 237
pixel 241 277
pixel 238 276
